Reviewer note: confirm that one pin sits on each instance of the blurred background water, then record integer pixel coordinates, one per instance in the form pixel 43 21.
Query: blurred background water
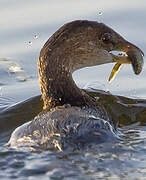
pixel 24 27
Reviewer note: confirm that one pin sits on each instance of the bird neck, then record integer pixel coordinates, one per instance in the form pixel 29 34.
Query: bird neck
pixel 57 85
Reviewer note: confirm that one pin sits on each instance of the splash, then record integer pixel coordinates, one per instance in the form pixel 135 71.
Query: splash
pixel 13 69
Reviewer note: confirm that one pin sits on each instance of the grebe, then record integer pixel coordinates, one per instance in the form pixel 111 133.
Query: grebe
pixel 71 118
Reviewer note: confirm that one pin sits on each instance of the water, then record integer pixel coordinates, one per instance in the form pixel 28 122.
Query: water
pixel 25 26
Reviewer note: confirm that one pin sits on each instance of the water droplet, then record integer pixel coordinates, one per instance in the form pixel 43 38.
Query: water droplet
pixel 36 36
pixel 99 13
pixel 100 16
pixel 30 42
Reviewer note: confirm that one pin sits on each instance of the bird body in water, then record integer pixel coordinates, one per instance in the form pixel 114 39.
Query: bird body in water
pixel 71 118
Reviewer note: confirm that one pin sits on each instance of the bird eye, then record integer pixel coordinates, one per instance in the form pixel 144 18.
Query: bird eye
pixel 106 38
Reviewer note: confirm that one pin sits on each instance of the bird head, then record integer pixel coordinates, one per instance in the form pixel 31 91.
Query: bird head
pixel 112 41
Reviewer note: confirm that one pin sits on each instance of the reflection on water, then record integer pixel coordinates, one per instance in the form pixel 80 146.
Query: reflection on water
pixel 23 32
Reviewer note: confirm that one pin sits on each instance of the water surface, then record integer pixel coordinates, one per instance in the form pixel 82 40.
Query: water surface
pixel 25 26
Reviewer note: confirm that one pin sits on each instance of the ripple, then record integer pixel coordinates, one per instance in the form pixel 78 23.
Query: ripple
pixel 13 69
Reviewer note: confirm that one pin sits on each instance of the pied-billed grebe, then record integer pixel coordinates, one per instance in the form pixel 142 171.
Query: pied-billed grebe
pixel 71 118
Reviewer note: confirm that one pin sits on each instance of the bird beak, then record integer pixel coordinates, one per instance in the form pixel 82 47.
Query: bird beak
pixel 134 56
